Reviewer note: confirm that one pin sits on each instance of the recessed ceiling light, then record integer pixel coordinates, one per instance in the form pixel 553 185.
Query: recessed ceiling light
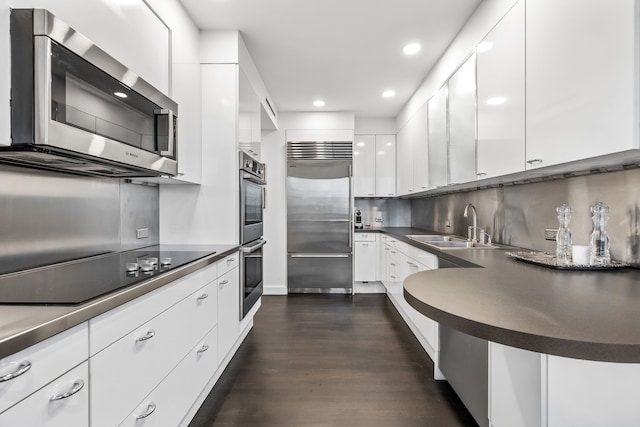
pixel 360 144
pixel 120 94
pixel 411 48
pixel 388 93
pixel 389 144
pixel 497 100
pixel 484 46
pixel 318 103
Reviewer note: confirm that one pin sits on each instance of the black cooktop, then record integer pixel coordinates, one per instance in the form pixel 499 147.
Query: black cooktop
pixel 78 281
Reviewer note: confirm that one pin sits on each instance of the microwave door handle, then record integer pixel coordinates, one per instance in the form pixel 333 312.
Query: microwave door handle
pixel 170 132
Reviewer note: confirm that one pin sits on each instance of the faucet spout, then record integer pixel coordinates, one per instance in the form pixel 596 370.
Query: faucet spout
pixel 472 235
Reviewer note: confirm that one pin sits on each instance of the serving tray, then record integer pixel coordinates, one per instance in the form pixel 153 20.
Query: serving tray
pixel 549 260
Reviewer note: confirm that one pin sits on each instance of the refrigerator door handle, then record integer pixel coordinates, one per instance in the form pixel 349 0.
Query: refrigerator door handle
pixel 319 255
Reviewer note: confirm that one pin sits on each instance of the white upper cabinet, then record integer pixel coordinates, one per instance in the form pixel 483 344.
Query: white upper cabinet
pixel 420 150
pixel 364 166
pixel 462 123
pixel 127 30
pixel 385 159
pixel 438 138
pixel 404 161
pixel 581 79
pixel 501 114
pixel 412 163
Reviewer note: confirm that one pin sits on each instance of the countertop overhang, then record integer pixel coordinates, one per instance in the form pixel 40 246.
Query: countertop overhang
pixel 591 315
pixel 22 326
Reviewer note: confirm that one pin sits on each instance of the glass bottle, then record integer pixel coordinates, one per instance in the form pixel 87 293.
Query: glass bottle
pixel 563 236
pixel 599 238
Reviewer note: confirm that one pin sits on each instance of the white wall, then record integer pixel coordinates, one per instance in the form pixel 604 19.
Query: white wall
pixel 375 126
pixel 274 155
pixel 486 16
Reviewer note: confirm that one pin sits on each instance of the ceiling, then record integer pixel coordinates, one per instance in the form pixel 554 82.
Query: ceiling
pixel 345 52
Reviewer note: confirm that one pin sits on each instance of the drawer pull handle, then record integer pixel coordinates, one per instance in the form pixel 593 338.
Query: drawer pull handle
pixel 203 348
pixel 22 368
pixel 231 259
pixel 77 386
pixel 534 161
pixel 224 282
pixel 203 296
pixel 151 408
pixel 148 336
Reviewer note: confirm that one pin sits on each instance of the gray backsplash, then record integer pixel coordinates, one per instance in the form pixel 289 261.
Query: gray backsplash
pixel 393 212
pixel 53 216
pixel 518 214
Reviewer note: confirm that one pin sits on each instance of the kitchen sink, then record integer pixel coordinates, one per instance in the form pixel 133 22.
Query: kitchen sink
pixel 448 242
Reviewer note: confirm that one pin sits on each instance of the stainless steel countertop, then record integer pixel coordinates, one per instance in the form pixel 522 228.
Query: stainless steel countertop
pixel 22 326
pixel 592 315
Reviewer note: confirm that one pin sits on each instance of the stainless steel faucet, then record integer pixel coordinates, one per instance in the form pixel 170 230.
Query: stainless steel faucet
pixel 472 235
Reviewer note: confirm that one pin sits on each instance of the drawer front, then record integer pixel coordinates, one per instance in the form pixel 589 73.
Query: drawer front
pixel 364 237
pixel 47 360
pixel 229 263
pixel 124 373
pixel 423 257
pixel 39 410
pixel 114 324
pixel 170 401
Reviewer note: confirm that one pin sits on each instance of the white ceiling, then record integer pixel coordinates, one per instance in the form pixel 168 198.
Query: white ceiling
pixel 346 52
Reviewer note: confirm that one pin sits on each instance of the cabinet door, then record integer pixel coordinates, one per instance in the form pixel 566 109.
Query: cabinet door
pixel 462 123
pixel 364 166
pixel 5 77
pixel 228 312
pixel 365 257
pixel 438 138
pixel 420 150
pixel 69 407
pixel 385 165
pixel 404 162
pixel 581 79
pixel 501 114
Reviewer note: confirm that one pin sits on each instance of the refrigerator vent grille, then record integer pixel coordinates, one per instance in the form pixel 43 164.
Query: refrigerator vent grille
pixel 322 150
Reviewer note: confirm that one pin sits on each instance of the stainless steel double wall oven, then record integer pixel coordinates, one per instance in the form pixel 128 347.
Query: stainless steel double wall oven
pixel 252 193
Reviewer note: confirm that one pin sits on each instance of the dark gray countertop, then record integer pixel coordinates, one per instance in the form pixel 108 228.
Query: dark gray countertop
pixel 22 326
pixel 593 315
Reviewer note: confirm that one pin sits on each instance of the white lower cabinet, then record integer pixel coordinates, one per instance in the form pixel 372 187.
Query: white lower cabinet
pixel 228 312
pixel 165 406
pixel 365 257
pixel 125 372
pixel 62 403
pixel 41 363
pixel 402 260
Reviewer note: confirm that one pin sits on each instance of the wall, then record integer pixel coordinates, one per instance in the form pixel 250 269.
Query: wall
pixel 518 214
pixel 275 218
pixel 476 28
pixel 375 126
pixel 48 217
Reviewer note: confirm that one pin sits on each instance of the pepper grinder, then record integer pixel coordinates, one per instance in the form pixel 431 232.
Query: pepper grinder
pixel 599 241
pixel 563 236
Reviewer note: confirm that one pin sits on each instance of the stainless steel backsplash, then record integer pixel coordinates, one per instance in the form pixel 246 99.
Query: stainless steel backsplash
pixel 393 212
pixel 518 214
pixel 53 216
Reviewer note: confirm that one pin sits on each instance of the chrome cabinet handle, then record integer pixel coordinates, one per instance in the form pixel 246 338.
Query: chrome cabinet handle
pixel 393 252
pixel 151 408
pixel 365 244
pixel 22 368
pixel 481 174
pixel 77 386
pixel 231 259
pixel 534 161
pixel 224 282
pixel 386 249
pixel 203 296
pixel 203 348
pixel 147 336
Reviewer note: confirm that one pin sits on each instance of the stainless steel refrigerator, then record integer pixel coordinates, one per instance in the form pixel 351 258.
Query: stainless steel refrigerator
pixel 319 217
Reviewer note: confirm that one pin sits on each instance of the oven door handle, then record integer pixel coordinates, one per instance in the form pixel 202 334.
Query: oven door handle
pixel 250 249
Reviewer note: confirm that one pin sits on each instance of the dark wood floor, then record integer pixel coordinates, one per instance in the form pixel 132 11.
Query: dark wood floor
pixel 330 360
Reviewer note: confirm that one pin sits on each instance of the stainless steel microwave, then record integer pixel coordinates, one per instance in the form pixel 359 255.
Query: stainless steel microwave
pixel 76 109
